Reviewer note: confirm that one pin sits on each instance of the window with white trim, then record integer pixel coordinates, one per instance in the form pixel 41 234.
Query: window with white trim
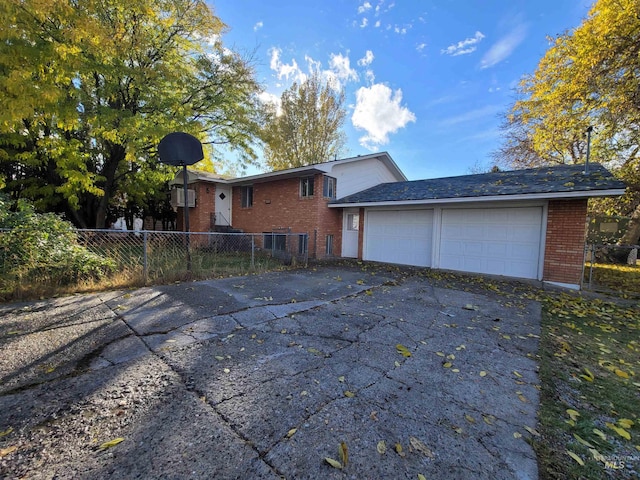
pixel 306 187
pixel 329 187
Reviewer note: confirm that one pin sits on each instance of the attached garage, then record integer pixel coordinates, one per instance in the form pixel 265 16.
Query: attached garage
pixel 498 241
pixel 522 223
pixel 399 236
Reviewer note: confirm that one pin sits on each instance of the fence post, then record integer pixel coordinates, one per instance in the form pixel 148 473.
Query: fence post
pixel 593 259
pixel 145 265
pixel 253 248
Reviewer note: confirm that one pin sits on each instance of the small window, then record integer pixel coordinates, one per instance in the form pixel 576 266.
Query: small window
pixel 329 187
pixel 329 246
pixel 303 244
pixel 306 187
pixel 247 196
pixel 274 241
pixel 353 221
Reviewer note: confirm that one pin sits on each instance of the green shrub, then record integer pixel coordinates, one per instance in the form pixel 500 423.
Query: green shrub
pixel 39 247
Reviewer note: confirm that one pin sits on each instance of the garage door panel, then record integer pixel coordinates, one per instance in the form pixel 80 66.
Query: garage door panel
pixel 500 241
pixel 399 236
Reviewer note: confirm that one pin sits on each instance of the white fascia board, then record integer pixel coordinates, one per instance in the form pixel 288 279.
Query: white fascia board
pixel 492 198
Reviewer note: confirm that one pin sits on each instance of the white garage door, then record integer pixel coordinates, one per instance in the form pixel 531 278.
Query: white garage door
pixel 399 236
pixel 500 241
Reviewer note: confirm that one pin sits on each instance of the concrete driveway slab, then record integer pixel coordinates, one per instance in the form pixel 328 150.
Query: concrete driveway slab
pixel 265 376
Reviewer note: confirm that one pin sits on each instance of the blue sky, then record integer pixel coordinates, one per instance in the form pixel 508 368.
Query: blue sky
pixel 426 81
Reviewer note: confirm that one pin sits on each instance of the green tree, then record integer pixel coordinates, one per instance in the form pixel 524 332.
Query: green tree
pixel 89 87
pixel 307 128
pixel 589 77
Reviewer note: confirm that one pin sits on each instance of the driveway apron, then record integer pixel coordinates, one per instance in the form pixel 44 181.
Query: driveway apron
pixel 267 376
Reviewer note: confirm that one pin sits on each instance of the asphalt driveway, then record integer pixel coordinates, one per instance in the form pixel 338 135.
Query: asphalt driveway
pixel 266 376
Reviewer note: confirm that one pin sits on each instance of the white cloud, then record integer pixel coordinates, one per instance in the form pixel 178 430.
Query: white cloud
pixel 364 7
pixel 377 25
pixel 283 70
pixel 378 111
pixel 370 76
pixel 364 23
pixel 257 26
pixel 421 46
pixel 341 66
pixel 463 47
pixel 367 59
pixel 504 47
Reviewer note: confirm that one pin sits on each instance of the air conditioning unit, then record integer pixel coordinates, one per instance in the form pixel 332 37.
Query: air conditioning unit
pixel 177 197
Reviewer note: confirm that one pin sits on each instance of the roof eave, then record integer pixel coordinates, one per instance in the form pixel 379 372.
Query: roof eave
pixel 487 198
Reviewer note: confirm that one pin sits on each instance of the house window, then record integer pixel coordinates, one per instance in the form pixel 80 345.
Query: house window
pixel 329 246
pixel 247 196
pixel 329 187
pixel 303 244
pixel 306 187
pixel 275 242
pixel 353 222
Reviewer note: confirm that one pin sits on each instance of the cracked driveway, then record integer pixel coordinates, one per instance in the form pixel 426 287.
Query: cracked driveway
pixel 264 376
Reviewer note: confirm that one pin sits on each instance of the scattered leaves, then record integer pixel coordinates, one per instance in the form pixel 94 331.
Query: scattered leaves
pixel 381 447
pixel 349 394
pixel 291 432
pixel 398 448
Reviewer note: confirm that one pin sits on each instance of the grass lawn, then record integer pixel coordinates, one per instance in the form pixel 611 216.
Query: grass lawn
pixel 590 389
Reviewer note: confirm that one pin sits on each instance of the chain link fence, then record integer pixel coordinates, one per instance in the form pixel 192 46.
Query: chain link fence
pixel 612 269
pixel 131 258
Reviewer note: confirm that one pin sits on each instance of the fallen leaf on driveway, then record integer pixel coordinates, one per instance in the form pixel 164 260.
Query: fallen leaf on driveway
pixel 420 447
pixel 344 453
pixel 6 432
pixel 404 351
pixel 382 447
pixel 349 394
pixel 291 432
pixel 6 451
pixel 333 463
pixel 469 306
pixel 398 449
pixel 483 373
pixel 110 443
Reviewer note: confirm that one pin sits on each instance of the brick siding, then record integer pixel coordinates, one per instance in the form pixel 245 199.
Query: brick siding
pixel 565 240
pixel 278 205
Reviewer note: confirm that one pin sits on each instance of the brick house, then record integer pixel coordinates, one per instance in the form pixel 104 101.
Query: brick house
pixel 523 223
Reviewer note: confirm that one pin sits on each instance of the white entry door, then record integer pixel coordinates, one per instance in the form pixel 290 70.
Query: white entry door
pixel 223 205
pixel 499 241
pixel 399 236
pixel 350 231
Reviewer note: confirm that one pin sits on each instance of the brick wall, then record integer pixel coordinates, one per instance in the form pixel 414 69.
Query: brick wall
pixel 278 204
pixel 564 250
pixel 200 216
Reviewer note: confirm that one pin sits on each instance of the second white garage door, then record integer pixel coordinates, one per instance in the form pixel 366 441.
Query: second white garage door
pixel 500 241
pixel 399 236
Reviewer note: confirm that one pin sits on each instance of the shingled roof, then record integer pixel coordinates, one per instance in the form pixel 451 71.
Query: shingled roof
pixel 551 182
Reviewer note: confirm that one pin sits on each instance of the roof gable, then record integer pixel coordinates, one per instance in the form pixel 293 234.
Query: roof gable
pixel 546 181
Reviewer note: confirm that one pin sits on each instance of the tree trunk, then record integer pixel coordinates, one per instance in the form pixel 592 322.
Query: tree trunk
pixel 632 235
pixel 116 155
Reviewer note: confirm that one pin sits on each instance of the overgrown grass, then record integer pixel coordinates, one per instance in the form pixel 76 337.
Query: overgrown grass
pixel 166 266
pixel 590 390
pixel 622 279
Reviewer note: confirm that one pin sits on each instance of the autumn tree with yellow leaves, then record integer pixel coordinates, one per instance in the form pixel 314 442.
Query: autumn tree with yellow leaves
pixel 89 87
pixel 306 127
pixel 589 77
